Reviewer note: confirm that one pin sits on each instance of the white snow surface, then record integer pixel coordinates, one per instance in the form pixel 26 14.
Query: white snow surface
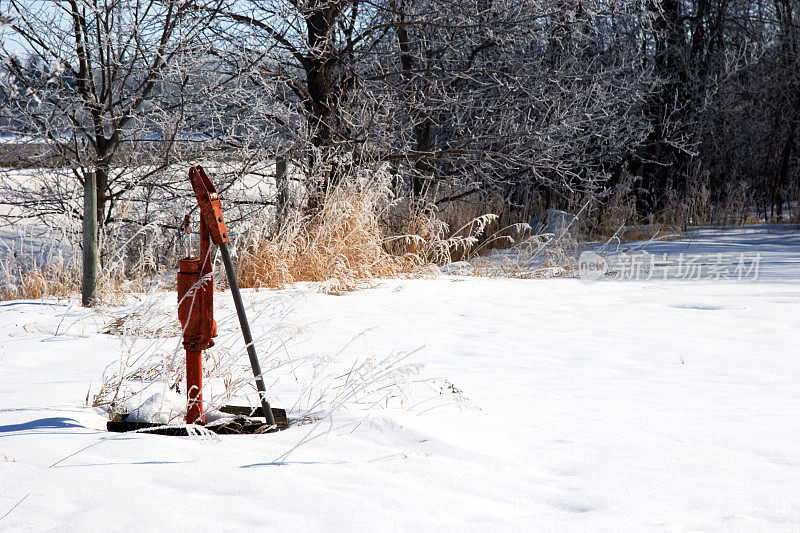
pixel 160 408
pixel 613 405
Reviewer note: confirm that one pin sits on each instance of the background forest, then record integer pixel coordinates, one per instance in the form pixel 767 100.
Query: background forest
pixel 393 134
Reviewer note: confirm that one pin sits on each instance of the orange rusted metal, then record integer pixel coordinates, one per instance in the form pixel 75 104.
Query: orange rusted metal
pixel 196 314
pixel 212 228
pixel 210 206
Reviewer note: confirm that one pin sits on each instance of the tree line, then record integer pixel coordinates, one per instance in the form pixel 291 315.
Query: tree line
pixel 680 107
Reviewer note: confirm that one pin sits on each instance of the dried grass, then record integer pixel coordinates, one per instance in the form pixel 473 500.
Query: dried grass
pixel 457 231
pixel 21 280
pixel 341 246
pixel 618 219
pixel 134 324
pixel 533 257
pixel 36 282
pixel 50 266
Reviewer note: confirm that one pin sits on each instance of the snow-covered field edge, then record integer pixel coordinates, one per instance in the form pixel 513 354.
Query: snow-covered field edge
pixel 657 402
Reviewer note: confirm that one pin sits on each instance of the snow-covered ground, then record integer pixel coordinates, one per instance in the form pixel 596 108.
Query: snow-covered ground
pixel 541 405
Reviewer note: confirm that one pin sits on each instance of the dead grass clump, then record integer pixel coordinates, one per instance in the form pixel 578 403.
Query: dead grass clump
pixel 618 210
pixel 118 387
pixel 651 232
pixel 437 244
pixel 32 269
pixel 546 255
pixel 737 207
pixel 51 266
pixel 618 220
pixel 474 225
pixel 135 324
pixel 454 231
pixel 61 279
pixel 37 282
pixel 341 246
pixel 481 223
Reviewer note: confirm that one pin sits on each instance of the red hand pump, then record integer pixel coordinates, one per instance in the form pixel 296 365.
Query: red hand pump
pixel 196 300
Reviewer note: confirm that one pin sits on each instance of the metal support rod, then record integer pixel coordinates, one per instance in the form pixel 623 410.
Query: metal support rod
pixel 248 337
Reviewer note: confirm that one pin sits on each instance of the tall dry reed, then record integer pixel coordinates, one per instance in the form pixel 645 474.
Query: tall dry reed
pixel 341 246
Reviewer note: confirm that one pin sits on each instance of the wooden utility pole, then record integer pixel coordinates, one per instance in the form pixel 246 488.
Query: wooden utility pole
pixel 89 286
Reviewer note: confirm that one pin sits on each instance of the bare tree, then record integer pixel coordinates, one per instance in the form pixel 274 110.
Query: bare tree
pixel 88 93
pixel 489 96
pixel 517 98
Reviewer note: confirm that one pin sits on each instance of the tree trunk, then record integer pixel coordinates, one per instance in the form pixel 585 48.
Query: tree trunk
pixel 319 82
pixel 422 124
pixel 781 178
pixel 101 185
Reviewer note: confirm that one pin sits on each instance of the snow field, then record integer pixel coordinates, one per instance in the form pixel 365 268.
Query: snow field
pixel 578 406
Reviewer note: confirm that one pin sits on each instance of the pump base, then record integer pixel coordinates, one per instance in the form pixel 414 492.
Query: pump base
pixel 243 424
